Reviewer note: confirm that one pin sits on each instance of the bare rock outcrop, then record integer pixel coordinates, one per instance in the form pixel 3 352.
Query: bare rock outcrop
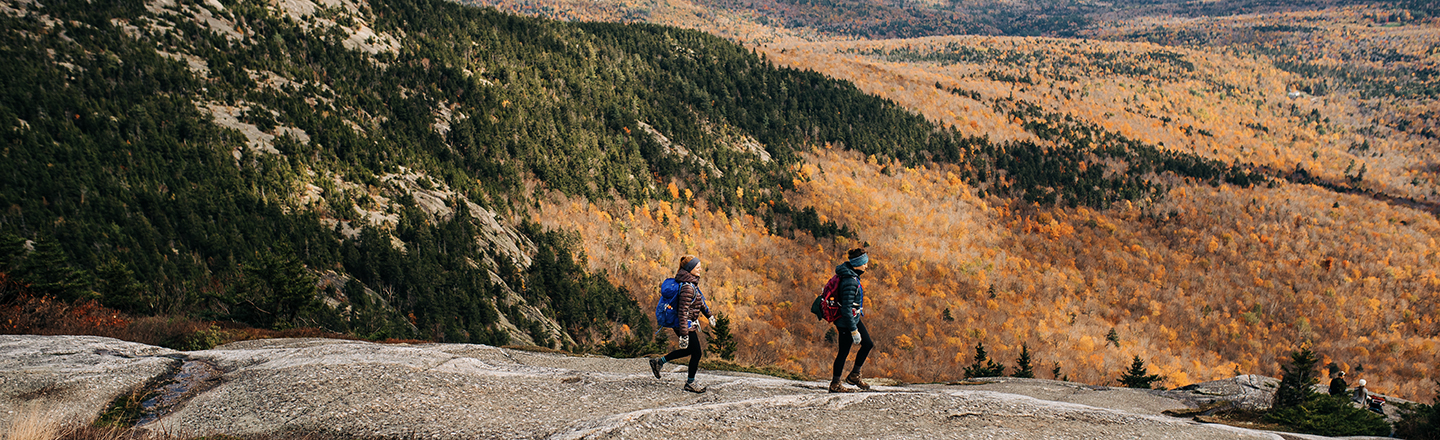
pixel 367 390
pixel 75 377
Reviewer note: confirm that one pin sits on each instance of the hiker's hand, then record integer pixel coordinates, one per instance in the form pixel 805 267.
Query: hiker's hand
pixel 855 336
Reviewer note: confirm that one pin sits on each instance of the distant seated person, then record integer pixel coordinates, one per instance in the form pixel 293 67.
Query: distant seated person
pixel 1361 396
pixel 1337 385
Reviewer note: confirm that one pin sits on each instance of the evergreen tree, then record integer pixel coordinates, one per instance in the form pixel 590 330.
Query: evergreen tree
pixel 48 271
pixel 1137 376
pixel 1328 415
pixel 1022 365
pixel 1297 380
pixel 12 249
pixel 276 291
pixel 983 366
pixel 1112 338
pixel 1419 421
pixel 119 290
pixel 1299 407
pixel 720 339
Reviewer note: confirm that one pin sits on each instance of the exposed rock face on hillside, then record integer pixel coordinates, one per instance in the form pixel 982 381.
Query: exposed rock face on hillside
pixel 473 391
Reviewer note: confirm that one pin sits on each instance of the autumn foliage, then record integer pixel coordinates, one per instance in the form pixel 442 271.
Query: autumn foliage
pixel 1207 282
pixel 24 312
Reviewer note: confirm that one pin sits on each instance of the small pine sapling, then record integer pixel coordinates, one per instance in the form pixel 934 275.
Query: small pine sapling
pixel 1137 376
pixel 1022 365
pixel 983 366
pixel 721 340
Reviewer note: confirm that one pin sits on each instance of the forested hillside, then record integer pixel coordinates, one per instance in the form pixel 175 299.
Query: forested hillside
pixel 368 168
pixel 1313 224
pixel 354 167
pixel 426 170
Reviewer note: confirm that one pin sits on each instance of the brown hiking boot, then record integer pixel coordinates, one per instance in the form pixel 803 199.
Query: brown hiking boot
pixel 836 387
pixel 854 379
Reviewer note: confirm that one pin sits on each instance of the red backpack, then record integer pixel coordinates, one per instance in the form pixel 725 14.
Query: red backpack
pixel 825 307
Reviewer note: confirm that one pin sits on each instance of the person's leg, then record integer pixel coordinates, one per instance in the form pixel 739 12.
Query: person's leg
pixel 695 354
pixel 841 353
pixel 679 352
pixel 865 345
pixel 656 363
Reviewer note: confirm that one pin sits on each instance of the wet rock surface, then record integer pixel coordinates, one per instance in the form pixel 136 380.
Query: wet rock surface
pixel 75 376
pixel 364 390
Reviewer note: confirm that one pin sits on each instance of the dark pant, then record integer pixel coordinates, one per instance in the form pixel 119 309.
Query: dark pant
pixel 865 345
pixel 693 351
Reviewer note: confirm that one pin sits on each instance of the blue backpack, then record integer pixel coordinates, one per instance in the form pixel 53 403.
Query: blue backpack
pixel 665 314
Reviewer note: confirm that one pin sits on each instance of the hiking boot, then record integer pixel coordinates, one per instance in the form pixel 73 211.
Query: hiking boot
pixel 697 389
pixel 854 379
pixel 836 387
pixel 655 366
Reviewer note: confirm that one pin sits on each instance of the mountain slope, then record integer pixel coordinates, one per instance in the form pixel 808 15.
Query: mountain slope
pixel 426 170
pixel 1336 248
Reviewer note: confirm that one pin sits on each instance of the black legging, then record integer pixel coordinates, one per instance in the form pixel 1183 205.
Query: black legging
pixel 693 351
pixel 865 345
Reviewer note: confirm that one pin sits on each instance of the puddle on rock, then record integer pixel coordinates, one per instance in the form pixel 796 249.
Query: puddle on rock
pixel 194 377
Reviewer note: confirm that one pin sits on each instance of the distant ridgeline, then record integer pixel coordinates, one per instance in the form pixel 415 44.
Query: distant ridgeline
pixel 346 168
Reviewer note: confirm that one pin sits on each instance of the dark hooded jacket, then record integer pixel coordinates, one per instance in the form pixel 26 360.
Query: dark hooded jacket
pixel 850 295
pixel 1338 386
pixel 691 302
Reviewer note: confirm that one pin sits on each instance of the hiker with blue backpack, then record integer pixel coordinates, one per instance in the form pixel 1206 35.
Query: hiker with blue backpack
pixel 849 296
pixel 680 307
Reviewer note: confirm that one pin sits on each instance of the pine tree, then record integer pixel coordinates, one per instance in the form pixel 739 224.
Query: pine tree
pixel 1137 376
pixel 277 291
pixel 1419 421
pixel 1295 384
pixel 721 341
pixel 1112 338
pixel 12 250
pixel 983 366
pixel 1299 407
pixel 48 271
pixel 119 290
pixel 1022 365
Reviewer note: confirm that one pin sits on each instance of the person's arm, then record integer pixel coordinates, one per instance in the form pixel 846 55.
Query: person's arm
pixel 705 307
pixel 683 306
pixel 848 296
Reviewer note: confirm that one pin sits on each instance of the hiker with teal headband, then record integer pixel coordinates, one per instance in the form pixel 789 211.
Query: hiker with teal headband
pixel 690 307
pixel 851 297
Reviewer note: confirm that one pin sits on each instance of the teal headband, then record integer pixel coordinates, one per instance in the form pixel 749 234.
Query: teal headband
pixel 861 260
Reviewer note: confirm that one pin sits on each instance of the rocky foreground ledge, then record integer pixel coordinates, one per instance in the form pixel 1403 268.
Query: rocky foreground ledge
pixel 443 391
